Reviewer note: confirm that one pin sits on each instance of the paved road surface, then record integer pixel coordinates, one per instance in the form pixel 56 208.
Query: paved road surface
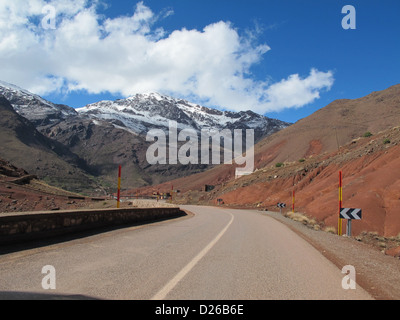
pixel 215 254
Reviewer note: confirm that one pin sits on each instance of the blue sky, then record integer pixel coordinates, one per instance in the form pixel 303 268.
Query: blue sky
pixel 283 58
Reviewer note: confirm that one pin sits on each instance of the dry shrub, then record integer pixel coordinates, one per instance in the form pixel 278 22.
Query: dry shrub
pixel 330 230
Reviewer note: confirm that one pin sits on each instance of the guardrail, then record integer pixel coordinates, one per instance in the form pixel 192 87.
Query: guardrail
pixel 38 225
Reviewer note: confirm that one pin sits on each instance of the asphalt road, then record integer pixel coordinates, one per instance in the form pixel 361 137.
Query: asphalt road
pixel 214 254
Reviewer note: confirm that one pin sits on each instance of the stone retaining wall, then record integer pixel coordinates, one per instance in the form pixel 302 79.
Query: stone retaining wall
pixel 23 226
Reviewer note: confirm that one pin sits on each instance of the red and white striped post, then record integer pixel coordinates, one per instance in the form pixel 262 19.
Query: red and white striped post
pixel 119 187
pixel 293 202
pixel 340 204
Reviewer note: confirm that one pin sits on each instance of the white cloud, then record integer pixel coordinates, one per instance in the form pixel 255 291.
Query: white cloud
pixel 127 55
pixel 295 92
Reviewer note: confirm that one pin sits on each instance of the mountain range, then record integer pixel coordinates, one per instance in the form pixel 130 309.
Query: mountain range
pixel 79 149
pixel 142 112
pixel 87 144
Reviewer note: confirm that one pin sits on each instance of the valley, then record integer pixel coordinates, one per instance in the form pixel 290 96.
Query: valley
pixel 78 151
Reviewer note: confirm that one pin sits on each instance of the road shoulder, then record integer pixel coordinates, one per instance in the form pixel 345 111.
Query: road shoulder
pixel 376 272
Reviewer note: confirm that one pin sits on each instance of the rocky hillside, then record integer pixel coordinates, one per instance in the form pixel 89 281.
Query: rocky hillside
pixel 23 192
pixel 26 147
pixel 33 107
pixel 332 127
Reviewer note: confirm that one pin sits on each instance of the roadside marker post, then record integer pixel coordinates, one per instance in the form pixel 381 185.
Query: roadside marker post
pixel 280 206
pixel 350 214
pixel 293 202
pixel 340 204
pixel 119 187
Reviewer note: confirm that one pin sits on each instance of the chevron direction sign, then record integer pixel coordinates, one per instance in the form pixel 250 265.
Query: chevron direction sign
pixel 281 205
pixel 350 214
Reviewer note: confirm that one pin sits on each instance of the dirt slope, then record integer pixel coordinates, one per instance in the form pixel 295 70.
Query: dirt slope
pixel 331 127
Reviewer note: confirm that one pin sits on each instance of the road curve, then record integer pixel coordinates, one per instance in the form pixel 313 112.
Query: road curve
pixel 220 254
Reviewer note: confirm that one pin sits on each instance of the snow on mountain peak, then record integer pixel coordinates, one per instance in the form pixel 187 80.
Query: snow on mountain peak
pixel 139 113
pixel 32 106
pixel 12 87
pixel 144 111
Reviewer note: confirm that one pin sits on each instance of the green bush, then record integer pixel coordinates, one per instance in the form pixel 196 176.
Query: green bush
pixel 386 141
pixel 279 164
pixel 367 134
pixel 302 160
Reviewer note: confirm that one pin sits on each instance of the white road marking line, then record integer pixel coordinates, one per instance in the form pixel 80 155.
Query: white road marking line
pixel 181 274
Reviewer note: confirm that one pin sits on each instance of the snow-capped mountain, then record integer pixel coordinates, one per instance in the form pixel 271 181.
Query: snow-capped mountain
pixel 33 107
pixel 103 134
pixel 138 114
pixel 141 112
